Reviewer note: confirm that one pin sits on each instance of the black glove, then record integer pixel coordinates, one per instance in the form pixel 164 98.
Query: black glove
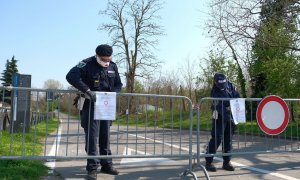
pixel 76 100
pixel 92 95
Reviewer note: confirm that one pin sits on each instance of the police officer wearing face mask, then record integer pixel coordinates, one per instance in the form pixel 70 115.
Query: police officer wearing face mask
pixel 96 73
pixel 222 127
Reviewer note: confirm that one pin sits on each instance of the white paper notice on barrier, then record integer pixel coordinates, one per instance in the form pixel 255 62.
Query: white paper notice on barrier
pixel 238 111
pixel 105 106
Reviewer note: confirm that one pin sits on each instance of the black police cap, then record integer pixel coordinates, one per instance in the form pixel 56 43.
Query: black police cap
pixel 221 80
pixel 104 50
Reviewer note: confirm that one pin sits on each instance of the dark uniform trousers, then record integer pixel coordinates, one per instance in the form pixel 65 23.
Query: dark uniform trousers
pixel 92 137
pixel 221 132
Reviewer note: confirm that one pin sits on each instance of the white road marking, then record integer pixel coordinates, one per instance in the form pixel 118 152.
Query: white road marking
pixel 54 149
pixel 242 166
pixel 129 151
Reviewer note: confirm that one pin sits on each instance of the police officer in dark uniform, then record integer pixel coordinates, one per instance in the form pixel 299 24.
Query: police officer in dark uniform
pixel 96 73
pixel 223 126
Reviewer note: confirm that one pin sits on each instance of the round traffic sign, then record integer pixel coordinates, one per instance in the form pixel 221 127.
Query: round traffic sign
pixel 272 115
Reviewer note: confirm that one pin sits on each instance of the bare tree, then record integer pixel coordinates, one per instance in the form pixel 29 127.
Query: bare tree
pixel 53 84
pixel 233 25
pixel 166 83
pixel 188 71
pixel 134 31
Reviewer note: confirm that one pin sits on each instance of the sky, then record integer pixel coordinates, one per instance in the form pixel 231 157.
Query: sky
pixel 49 37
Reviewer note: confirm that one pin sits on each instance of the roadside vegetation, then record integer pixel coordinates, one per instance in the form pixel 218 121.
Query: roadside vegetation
pixel 254 43
pixel 17 145
pixel 169 119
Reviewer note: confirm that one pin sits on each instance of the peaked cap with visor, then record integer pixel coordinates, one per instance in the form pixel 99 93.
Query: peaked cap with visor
pixel 220 81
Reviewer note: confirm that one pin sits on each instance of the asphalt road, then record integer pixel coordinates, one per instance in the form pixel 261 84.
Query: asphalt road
pixel 268 166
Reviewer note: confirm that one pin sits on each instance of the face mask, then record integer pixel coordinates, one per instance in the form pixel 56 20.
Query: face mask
pixel 222 84
pixel 102 63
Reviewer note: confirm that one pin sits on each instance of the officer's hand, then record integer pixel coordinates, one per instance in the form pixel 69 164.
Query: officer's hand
pixel 92 95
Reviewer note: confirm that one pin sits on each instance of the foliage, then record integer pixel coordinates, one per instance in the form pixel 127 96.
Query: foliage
pixel 176 120
pixel 53 84
pixel 22 169
pixel 281 77
pixel 10 68
pixel 25 169
pixel 256 33
pixel 138 87
pixel 163 84
pixel 275 65
pixel 32 140
pixel 66 104
pixel 150 118
pixel 215 63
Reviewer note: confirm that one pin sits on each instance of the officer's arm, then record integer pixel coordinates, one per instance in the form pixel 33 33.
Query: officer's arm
pixel 117 84
pixel 74 77
pixel 214 102
pixel 219 105
pixel 236 93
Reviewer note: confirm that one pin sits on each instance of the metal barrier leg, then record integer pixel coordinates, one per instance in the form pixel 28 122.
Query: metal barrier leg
pixel 203 169
pixel 195 165
pixel 187 172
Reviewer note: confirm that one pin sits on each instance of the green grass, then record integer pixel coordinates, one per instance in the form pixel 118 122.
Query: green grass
pixel 28 145
pixel 22 169
pixel 292 131
pixel 168 119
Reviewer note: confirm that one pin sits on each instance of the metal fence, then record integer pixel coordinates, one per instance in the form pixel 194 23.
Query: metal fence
pixel 146 126
pixel 248 137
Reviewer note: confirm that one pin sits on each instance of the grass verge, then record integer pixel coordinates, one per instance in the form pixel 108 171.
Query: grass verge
pixel 29 144
pixel 169 119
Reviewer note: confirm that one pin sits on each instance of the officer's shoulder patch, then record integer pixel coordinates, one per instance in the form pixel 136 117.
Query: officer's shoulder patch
pixel 81 64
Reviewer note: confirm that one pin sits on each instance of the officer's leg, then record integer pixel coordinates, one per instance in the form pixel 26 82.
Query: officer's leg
pixel 91 135
pixel 215 141
pixel 227 141
pixel 104 142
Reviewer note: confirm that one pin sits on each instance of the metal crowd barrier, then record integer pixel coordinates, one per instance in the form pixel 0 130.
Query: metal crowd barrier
pixel 38 117
pixel 248 137
pixel 146 126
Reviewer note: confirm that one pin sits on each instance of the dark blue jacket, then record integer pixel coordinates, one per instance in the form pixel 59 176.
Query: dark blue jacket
pixel 88 74
pixel 223 106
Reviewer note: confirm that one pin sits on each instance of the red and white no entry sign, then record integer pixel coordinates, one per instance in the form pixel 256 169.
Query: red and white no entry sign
pixel 272 115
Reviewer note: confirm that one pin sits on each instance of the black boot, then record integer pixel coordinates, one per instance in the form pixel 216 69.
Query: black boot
pixel 210 167
pixel 228 166
pixel 92 175
pixel 109 170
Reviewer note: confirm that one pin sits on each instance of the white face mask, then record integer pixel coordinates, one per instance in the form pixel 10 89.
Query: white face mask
pixel 102 63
